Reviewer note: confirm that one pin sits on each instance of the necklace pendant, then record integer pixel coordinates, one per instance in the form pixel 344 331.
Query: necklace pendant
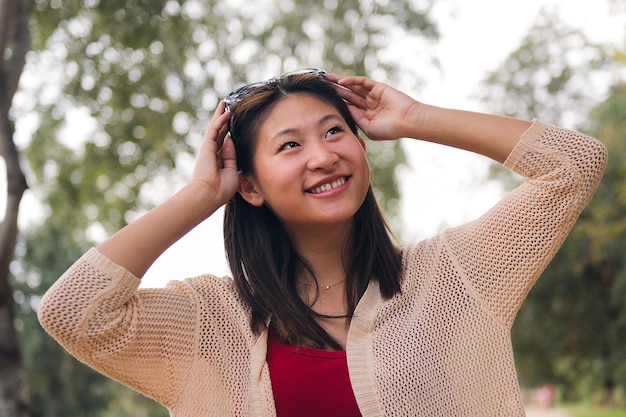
pixel 326 287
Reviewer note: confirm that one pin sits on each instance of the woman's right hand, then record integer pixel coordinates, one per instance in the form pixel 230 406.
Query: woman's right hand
pixel 214 182
pixel 215 173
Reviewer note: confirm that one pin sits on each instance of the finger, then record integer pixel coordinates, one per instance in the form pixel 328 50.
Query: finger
pixel 221 109
pixel 228 154
pixel 218 127
pixel 356 88
pixel 333 77
pixel 219 116
pixel 352 97
pixel 362 90
pixel 222 130
pixel 351 83
pixel 359 117
pixel 357 81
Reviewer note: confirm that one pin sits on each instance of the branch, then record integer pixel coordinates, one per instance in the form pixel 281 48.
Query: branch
pixel 15 35
pixel 8 11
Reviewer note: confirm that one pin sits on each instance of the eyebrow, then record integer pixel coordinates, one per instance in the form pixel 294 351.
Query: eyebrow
pixel 291 130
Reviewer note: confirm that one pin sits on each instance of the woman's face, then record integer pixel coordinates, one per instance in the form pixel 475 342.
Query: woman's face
pixel 309 167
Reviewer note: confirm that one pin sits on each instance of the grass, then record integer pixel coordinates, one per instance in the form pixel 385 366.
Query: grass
pixel 590 411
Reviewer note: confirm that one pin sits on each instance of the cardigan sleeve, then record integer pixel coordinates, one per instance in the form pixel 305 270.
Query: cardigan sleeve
pixel 502 253
pixel 145 338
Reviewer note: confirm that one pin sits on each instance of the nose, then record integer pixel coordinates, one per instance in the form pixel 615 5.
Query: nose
pixel 321 157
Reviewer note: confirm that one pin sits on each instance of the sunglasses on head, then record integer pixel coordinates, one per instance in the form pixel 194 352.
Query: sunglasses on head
pixel 237 95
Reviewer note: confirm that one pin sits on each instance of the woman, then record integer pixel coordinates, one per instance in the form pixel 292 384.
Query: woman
pixel 323 315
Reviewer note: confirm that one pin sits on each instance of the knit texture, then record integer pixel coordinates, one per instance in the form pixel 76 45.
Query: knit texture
pixel 440 348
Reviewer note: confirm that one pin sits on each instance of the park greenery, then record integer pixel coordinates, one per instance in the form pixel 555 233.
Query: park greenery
pixel 571 331
pixel 111 107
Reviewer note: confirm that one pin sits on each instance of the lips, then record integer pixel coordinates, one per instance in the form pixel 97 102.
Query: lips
pixel 328 186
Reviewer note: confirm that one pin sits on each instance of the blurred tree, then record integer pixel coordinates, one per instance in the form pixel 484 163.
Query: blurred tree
pixel 572 328
pixel 556 75
pixel 581 298
pixel 115 101
pixel 14 44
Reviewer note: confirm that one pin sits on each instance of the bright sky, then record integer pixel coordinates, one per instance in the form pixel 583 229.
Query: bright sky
pixel 477 36
pixel 443 186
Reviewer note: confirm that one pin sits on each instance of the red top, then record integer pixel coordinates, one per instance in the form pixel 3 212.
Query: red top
pixel 309 382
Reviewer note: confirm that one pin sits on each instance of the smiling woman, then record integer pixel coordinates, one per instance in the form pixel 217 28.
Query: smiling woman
pixel 304 143
pixel 316 155
pixel 324 315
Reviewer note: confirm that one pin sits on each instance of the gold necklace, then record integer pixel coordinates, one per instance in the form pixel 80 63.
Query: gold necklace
pixel 326 287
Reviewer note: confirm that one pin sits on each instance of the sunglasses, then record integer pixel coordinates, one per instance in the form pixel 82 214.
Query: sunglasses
pixel 237 95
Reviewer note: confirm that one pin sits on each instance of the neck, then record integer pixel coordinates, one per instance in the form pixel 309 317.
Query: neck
pixel 323 249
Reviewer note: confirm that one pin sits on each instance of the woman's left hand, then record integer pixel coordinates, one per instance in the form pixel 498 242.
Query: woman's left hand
pixel 382 112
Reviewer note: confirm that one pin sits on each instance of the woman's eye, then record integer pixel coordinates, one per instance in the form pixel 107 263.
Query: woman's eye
pixel 289 145
pixel 334 130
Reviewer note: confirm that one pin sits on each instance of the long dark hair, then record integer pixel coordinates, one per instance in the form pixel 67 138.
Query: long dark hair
pixel 261 256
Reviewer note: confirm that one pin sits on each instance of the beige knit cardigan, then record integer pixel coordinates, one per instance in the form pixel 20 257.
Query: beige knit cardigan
pixel 440 348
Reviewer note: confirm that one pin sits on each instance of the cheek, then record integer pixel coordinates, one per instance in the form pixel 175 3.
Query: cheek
pixel 364 163
pixel 275 179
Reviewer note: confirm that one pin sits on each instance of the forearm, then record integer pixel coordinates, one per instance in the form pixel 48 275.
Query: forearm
pixel 505 250
pixel 96 312
pixel 485 134
pixel 138 245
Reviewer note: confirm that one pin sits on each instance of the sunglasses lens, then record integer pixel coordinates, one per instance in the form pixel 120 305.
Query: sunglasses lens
pixel 236 95
pixel 240 93
pixel 316 71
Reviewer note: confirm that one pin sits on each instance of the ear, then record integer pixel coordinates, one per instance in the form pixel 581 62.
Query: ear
pixel 249 192
pixel 361 141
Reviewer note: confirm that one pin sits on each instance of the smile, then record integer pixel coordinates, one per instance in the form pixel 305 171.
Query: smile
pixel 329 186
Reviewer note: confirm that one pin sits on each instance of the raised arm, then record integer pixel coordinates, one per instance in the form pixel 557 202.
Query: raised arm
pixel 144 338
pixel 502 253
pixel 214 182
pixel 385 113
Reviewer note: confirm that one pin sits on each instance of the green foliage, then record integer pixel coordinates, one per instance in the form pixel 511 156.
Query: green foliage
pixel 572 328
pixel 120 92
pixel 150 75
pixel 586 411
pixel 555 74
pixel 59 385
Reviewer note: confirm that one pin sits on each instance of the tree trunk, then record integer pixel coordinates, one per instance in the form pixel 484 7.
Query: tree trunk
pixel 14 43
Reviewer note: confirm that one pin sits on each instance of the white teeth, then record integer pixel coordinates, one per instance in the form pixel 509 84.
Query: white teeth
pixel 326 187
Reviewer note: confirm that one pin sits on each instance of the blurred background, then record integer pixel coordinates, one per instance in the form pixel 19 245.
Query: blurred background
pixel 103 105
